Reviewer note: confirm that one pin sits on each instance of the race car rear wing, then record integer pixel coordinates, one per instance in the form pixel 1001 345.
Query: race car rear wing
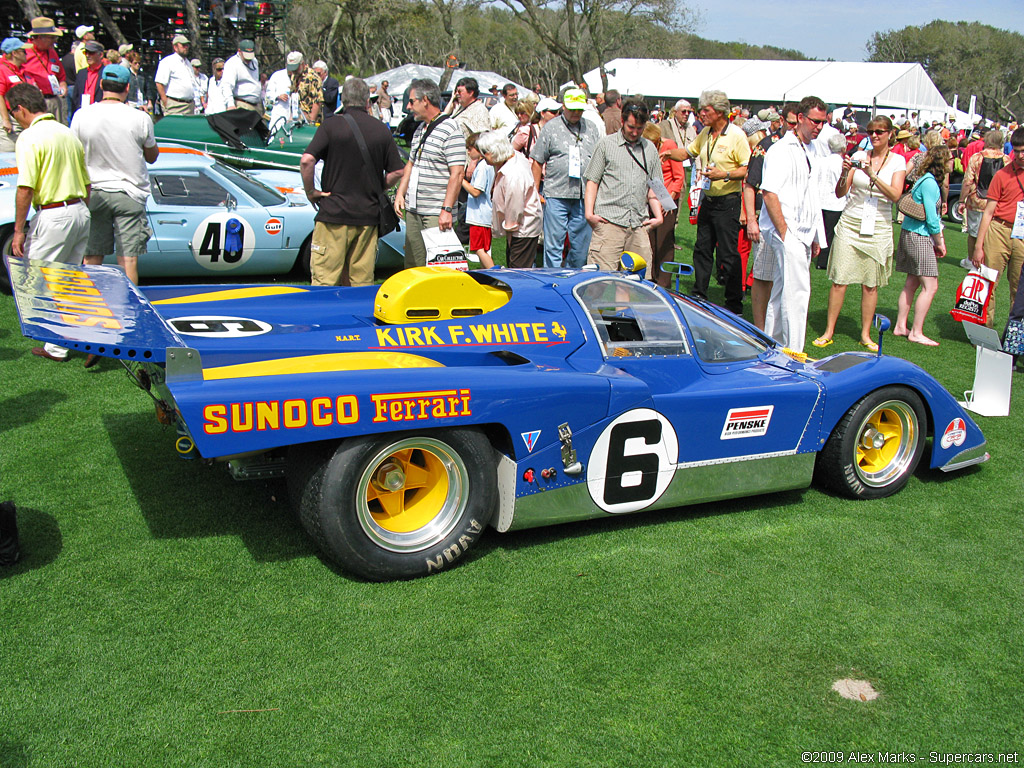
pixel 93 310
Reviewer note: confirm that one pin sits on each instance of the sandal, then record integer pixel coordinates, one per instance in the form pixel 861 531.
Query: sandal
pixel 821 341
pixel 869 345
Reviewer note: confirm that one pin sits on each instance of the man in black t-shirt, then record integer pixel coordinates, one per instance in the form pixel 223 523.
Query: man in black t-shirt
pixel 345 236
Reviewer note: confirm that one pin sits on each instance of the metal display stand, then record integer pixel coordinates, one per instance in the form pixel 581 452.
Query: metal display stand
pixel 993 370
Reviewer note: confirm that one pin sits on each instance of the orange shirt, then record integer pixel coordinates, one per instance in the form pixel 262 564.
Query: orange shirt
pixel 1007 189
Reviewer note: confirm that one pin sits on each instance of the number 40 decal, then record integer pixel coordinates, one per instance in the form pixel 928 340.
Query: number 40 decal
pixel 633 461
pixel 223 241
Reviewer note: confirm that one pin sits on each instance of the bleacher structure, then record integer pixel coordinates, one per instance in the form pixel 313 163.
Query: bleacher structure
pixel 150 25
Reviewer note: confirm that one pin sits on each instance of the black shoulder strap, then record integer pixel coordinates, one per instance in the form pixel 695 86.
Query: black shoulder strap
pixel 362 148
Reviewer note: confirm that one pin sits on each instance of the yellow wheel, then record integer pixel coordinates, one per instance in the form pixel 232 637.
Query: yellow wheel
pixel 410 493
pixel 398 505
pixel 876 446
pixel 886 442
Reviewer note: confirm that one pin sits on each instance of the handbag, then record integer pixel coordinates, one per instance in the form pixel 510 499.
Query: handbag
pixel 387 220
pixel 1013 340
pixel 910 207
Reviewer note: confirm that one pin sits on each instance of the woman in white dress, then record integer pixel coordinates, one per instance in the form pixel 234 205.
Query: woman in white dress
pixel 863 247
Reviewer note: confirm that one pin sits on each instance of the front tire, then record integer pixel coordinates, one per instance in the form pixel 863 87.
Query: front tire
pixel 401 505
pixel 876 446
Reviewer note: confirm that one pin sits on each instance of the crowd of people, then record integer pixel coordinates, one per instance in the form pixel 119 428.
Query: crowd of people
pixel 772 194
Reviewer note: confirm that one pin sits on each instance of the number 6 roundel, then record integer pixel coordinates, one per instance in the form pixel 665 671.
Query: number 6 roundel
pixel 633 461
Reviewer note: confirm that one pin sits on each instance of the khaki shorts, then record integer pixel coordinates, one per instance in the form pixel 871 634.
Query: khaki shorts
pixel 610 240
pixel 179 107
pixel 241 104
pixel 336 247
pixel 117 220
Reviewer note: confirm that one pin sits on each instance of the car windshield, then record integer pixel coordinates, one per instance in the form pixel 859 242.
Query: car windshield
pixel 257 190
pixel 631 319
pixel 715 340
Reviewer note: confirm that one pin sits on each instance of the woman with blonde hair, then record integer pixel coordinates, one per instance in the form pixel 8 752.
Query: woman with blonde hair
pixel 921 244
pixel 862 251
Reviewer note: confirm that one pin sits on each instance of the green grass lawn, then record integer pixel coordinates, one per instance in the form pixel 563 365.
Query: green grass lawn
pixel 166 615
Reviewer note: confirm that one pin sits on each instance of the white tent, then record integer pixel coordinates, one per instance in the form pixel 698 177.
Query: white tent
pixel 865 84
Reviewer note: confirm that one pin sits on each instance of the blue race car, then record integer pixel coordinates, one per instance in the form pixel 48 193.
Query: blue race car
pixel 195 201
pixel 407 417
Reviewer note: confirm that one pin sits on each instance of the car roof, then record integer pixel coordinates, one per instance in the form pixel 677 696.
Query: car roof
pixel 171 156
pixel 178 156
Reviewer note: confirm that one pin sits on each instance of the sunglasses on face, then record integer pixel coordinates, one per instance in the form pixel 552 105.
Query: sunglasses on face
pixel 791 123
pixel 816 122
pixel 877 132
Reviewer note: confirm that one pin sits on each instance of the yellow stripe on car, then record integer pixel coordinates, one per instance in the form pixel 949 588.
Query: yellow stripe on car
pixel 234 293
pixel 337 361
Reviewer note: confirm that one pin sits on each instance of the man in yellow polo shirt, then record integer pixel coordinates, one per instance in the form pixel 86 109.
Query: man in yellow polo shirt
pixel 52 178
pixel 722 151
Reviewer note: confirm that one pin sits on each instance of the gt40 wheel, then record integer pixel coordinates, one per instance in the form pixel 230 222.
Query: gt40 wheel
pixel 956 210
pixel 401 505
pixel 876 446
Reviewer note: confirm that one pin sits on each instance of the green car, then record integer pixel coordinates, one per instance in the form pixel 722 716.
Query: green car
pixel 238 137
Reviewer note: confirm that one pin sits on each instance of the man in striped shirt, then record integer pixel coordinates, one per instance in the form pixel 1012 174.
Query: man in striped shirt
pixel 433 176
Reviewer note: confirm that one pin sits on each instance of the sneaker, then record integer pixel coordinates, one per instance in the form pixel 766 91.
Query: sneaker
pixel 966 264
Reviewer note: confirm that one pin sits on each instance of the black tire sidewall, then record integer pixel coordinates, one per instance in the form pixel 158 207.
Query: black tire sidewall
pixel 344 539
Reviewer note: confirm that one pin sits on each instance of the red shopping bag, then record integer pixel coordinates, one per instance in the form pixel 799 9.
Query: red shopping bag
pixel 973 295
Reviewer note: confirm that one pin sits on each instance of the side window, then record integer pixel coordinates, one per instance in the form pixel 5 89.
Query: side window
pixel 195 190
pixel 631 319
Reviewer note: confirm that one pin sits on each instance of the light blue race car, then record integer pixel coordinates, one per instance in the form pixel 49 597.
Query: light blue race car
pixel 211 220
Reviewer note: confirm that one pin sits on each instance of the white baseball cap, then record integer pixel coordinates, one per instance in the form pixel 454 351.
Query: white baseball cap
pixel 83 30
pixel 293 60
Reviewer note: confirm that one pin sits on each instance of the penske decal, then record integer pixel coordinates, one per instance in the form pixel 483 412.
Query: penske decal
pixel 482 334
pixel 413 406
pixel 260 416
pixel 747 422
pixel 77 299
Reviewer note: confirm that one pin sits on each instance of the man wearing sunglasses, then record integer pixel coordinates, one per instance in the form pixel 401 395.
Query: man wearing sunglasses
pixel 791 222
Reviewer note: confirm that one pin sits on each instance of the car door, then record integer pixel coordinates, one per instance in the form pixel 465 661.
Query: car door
pixel 200 224
pixel 707 377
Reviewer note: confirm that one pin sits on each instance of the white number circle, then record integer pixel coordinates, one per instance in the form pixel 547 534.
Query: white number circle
pixel 220 326
pixel 633 461
pixel 210 238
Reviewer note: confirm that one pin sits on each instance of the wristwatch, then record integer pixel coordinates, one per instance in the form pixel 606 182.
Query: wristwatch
pixel 446 208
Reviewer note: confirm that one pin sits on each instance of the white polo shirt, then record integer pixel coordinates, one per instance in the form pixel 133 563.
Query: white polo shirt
pixel 175 74
pixel 242 79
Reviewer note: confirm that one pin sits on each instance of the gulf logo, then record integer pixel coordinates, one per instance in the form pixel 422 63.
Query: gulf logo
pixel 274 226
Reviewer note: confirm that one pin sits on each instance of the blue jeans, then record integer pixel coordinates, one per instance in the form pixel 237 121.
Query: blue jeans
pixel 561 215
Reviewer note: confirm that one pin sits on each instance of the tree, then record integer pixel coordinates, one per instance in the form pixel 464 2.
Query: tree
pixel 581 33
pixel 962 57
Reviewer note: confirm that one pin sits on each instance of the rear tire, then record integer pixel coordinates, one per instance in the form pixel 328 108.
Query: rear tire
pixel 876 446
pixel 400 505
pixel 955 211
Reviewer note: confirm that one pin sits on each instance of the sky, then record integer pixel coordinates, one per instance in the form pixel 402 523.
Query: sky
pixel 839 30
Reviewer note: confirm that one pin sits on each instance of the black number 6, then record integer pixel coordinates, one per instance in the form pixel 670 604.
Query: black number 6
pixel 619 464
